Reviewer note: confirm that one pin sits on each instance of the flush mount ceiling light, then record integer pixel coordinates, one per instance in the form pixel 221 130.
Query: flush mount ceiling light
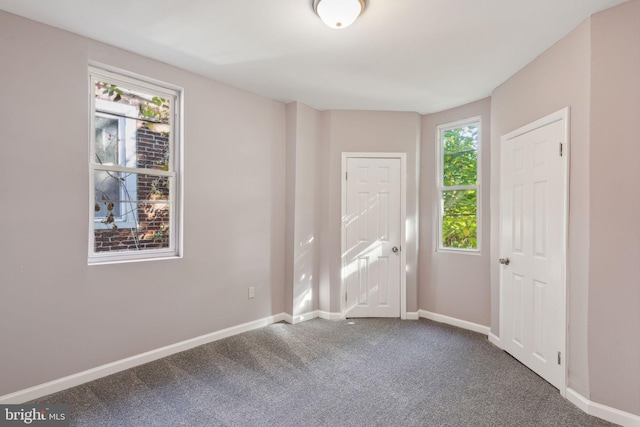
pixel 338 13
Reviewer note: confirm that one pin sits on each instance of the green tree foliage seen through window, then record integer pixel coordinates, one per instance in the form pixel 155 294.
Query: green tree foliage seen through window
pixel 459 187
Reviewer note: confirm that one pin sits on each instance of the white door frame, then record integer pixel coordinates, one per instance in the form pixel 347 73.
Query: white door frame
pixel 403 219
pixel 560 115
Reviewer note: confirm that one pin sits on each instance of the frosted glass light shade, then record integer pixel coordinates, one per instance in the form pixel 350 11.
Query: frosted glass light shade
pixel 339 13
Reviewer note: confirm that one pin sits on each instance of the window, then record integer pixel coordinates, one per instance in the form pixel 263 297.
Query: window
pixel 458 185
pixel 134 169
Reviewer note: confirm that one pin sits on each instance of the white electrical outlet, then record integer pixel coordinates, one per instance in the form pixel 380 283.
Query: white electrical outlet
pixel 252 292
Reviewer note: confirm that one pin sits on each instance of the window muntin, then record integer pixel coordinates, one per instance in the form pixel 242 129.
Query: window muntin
pixel 459 185
pixel 133 169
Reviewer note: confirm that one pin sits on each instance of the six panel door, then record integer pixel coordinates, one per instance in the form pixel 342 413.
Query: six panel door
pixel 372 231
pixel 532 201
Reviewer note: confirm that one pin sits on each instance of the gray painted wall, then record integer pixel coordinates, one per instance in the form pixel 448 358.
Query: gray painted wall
pixel 614 267
pixel 57 315
pixel 303 209
pixel 454 284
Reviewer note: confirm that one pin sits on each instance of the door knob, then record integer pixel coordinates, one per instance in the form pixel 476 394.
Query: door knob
pixel 504 261
pixel 395 249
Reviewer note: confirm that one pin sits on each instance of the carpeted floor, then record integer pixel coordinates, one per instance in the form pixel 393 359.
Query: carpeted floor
pixel 362 372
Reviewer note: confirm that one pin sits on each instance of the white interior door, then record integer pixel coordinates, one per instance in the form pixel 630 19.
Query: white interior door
pixel 372 226
pixel 532 286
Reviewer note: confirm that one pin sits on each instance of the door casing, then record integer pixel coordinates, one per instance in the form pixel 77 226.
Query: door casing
pixel 403 219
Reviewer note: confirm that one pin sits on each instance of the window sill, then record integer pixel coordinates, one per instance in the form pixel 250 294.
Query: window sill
pixel 121 259
pixel 475 252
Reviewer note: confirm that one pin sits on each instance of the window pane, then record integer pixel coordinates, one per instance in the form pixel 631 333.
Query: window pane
pixel 107 140
pixel 460 156
pixel 127 142
pixel 107 194
pixel 132 128
pixel 459 219
pixel 132 212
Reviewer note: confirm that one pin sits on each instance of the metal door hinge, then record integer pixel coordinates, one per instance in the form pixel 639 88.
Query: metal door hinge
pixel 346 176
pixel 559 358
pixel 561 149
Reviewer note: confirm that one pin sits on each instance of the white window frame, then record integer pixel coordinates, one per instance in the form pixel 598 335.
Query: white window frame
pixel 174 172
pixel 440 130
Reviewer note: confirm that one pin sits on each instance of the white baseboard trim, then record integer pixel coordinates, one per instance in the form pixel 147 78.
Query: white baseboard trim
pixel 286 317
pixel 577 399
pixel 327 315
pixel 311 315
pixel 607 413
pixel 495 340
pixel 455 322
pixel 305 316
pixel 133 361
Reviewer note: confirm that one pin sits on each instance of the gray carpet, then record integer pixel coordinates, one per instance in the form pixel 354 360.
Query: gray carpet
pixel 363 372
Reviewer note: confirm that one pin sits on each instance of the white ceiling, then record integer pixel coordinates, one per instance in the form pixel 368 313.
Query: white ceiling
pixel 400 55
